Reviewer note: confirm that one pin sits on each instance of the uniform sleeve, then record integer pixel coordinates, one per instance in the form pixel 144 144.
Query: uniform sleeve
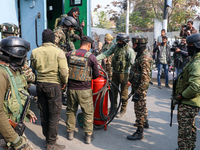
pixel 94 65
pixel 145 75
pixel 194 80
pixel 33 64
pixel 5 128
pixel 28 73
pixel 107 53
pixel 131 56
pixel 59 38
pixel 63 67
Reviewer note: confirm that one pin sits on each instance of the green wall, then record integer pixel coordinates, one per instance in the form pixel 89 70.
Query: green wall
pixel 83 15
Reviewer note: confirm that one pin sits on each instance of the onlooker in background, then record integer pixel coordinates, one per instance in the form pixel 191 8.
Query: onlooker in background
pixel 94 49
pixel 159 39
pixel 154 45
pixel 106 63
pixel 188 30
pixel 99 45
pixel 181 56
pixel 163 60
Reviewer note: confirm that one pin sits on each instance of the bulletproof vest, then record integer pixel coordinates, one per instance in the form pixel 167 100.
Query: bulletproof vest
pixel 14 99
pixel 78 67
pixel 120 60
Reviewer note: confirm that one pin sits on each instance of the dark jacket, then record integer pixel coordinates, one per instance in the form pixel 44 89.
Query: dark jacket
pixel 183 32
pixel 159 50
pixel 181 58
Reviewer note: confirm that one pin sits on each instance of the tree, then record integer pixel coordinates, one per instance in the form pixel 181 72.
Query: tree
pixel 143 13
pixel 103 19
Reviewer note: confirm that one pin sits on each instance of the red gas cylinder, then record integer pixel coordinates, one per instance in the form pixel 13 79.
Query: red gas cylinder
pixel 97 84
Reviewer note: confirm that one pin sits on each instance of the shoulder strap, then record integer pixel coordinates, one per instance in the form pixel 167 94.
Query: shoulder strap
pixel 13 83
pixel 87 55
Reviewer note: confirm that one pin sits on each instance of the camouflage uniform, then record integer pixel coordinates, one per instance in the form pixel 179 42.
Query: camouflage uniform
pixel 8 28
pixel 140 77
pixel 186 129
pixel 108 68
pixel 28 72
pixel 60 39
pixel 120 72
pixel 188 86
pixel 13 30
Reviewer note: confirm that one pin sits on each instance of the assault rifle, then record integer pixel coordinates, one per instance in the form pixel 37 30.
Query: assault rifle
pixel 20 126
pixel 132 92
pixel 173 100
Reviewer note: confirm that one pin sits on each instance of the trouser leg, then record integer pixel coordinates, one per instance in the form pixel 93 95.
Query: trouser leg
pixel 159 66
pixel 140 107
pixel 186 133
pixel 115 80
pixel 165 66
pixel 43 106
pixel 72 106
pixel 86 103
pixel 55 107
pixel 124 90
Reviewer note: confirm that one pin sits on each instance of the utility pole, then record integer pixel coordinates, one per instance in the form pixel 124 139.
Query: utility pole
pixel 168 3
pixel 127 18
pixel 165 16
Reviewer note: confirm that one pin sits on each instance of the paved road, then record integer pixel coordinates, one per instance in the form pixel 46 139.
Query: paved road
pixel 160 136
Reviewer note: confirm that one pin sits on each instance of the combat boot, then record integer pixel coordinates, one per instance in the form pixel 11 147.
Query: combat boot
pixel 121 113
pixel 146 124
pixel 55 147
pixel 88 137
pixel 138 135
pixel 70 135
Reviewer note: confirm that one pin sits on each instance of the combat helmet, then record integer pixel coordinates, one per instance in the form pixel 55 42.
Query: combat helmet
pixel 9 28
pixel 139 39
pixel 69 21
pixel 123 37
pixel 194 39
pixel 15 46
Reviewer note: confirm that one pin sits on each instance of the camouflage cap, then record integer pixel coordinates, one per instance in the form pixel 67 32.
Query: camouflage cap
pixel 9 28
pixel 140 38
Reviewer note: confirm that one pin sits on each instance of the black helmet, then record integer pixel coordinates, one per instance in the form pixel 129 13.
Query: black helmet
pixel 15 46
pixel 69 21
pixel 123 37
pixel 194 39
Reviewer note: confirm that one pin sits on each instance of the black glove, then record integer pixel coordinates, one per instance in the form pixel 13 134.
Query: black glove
pixel 75 36
pixel 136 97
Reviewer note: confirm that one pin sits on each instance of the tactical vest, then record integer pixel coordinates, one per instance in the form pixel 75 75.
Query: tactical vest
pixel 121 60
pixel 78 67
pixel 14 100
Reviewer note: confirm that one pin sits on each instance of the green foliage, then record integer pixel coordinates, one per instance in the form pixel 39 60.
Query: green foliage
pixel 121 23
pixel 103 20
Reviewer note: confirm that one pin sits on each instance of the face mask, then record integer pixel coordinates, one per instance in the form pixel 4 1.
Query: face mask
pixel 191 50
pixel 137 49
pixel 120 45
pixel 106 41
